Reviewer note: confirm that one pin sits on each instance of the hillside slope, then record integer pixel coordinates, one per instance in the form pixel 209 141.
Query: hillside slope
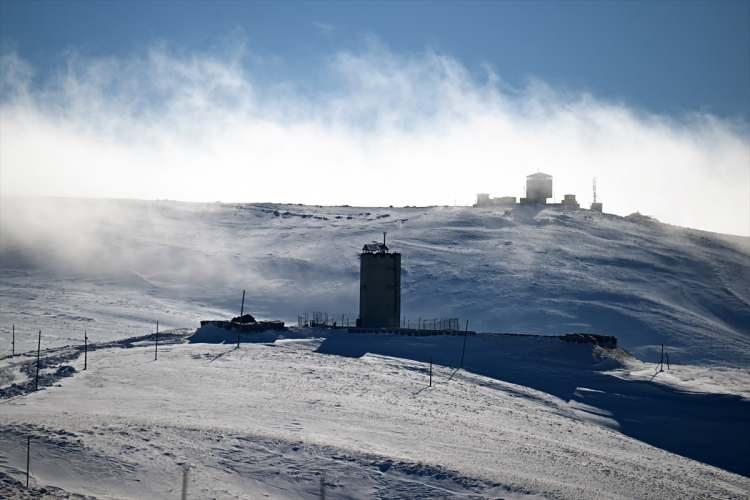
pixel 268 419
pixel 117 266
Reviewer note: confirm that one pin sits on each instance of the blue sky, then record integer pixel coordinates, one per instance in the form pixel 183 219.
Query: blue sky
pixel 667 57
pixel 304 101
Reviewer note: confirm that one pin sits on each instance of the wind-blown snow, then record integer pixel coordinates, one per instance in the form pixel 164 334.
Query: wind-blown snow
pixel 527 417
pixel 114 268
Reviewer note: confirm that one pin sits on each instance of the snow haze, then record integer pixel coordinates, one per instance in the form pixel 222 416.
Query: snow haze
pixel 386 129
pixel 93 264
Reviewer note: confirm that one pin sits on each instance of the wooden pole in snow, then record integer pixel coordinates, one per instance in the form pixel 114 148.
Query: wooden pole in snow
pixel 13 342
pixel 661 361
pixel 242 307
pixel 28 459
pixel 38 358
pixel 185 469
pixel 156 342
pixel 463 350
pixel 430 371
pixel 85 349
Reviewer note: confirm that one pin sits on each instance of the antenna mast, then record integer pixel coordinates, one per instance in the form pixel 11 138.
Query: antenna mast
pixel 594 189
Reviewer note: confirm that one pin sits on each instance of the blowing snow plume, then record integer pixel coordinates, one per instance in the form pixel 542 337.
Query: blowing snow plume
pixel 377 130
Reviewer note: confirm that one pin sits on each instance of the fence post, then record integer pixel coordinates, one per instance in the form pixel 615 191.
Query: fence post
pixel 463 350
pixel 28 459
pixel 242 313
pixel 661 361
pixel 185 470
pixel 38 356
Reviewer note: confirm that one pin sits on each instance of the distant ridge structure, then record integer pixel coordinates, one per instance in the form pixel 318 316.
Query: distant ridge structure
pixel 596 206
pixel 538 189
pixel 379 286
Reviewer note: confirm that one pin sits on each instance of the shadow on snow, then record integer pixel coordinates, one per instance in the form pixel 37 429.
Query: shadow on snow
pixel 709 428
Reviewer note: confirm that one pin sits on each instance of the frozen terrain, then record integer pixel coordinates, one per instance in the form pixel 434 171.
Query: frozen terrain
pixel 115 267
pixel 527 417
pixel 270 419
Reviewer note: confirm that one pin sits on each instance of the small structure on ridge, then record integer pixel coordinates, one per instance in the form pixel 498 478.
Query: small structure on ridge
pixel 538 189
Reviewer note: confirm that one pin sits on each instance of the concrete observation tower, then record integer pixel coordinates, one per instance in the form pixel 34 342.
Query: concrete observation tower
pixel 379 287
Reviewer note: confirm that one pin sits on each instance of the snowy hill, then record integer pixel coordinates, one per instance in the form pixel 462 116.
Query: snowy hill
pixel 526 417
pixel 115 267
pixel 529 418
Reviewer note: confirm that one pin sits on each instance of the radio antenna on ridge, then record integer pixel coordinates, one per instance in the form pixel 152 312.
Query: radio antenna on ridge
pixel 594 189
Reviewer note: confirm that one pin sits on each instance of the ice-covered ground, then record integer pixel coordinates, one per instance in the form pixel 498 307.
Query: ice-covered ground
pixel 115 267
pixel 526 418
pixel 271 419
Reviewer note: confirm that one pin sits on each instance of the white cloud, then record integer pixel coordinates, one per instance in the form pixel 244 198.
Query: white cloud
pixel 391 129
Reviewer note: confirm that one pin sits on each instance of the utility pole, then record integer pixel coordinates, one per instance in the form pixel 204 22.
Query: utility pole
pixel 38 357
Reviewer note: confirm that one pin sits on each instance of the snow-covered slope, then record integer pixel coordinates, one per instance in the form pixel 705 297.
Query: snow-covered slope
pixel 527 417
pixel 268 420
pixel 115 267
